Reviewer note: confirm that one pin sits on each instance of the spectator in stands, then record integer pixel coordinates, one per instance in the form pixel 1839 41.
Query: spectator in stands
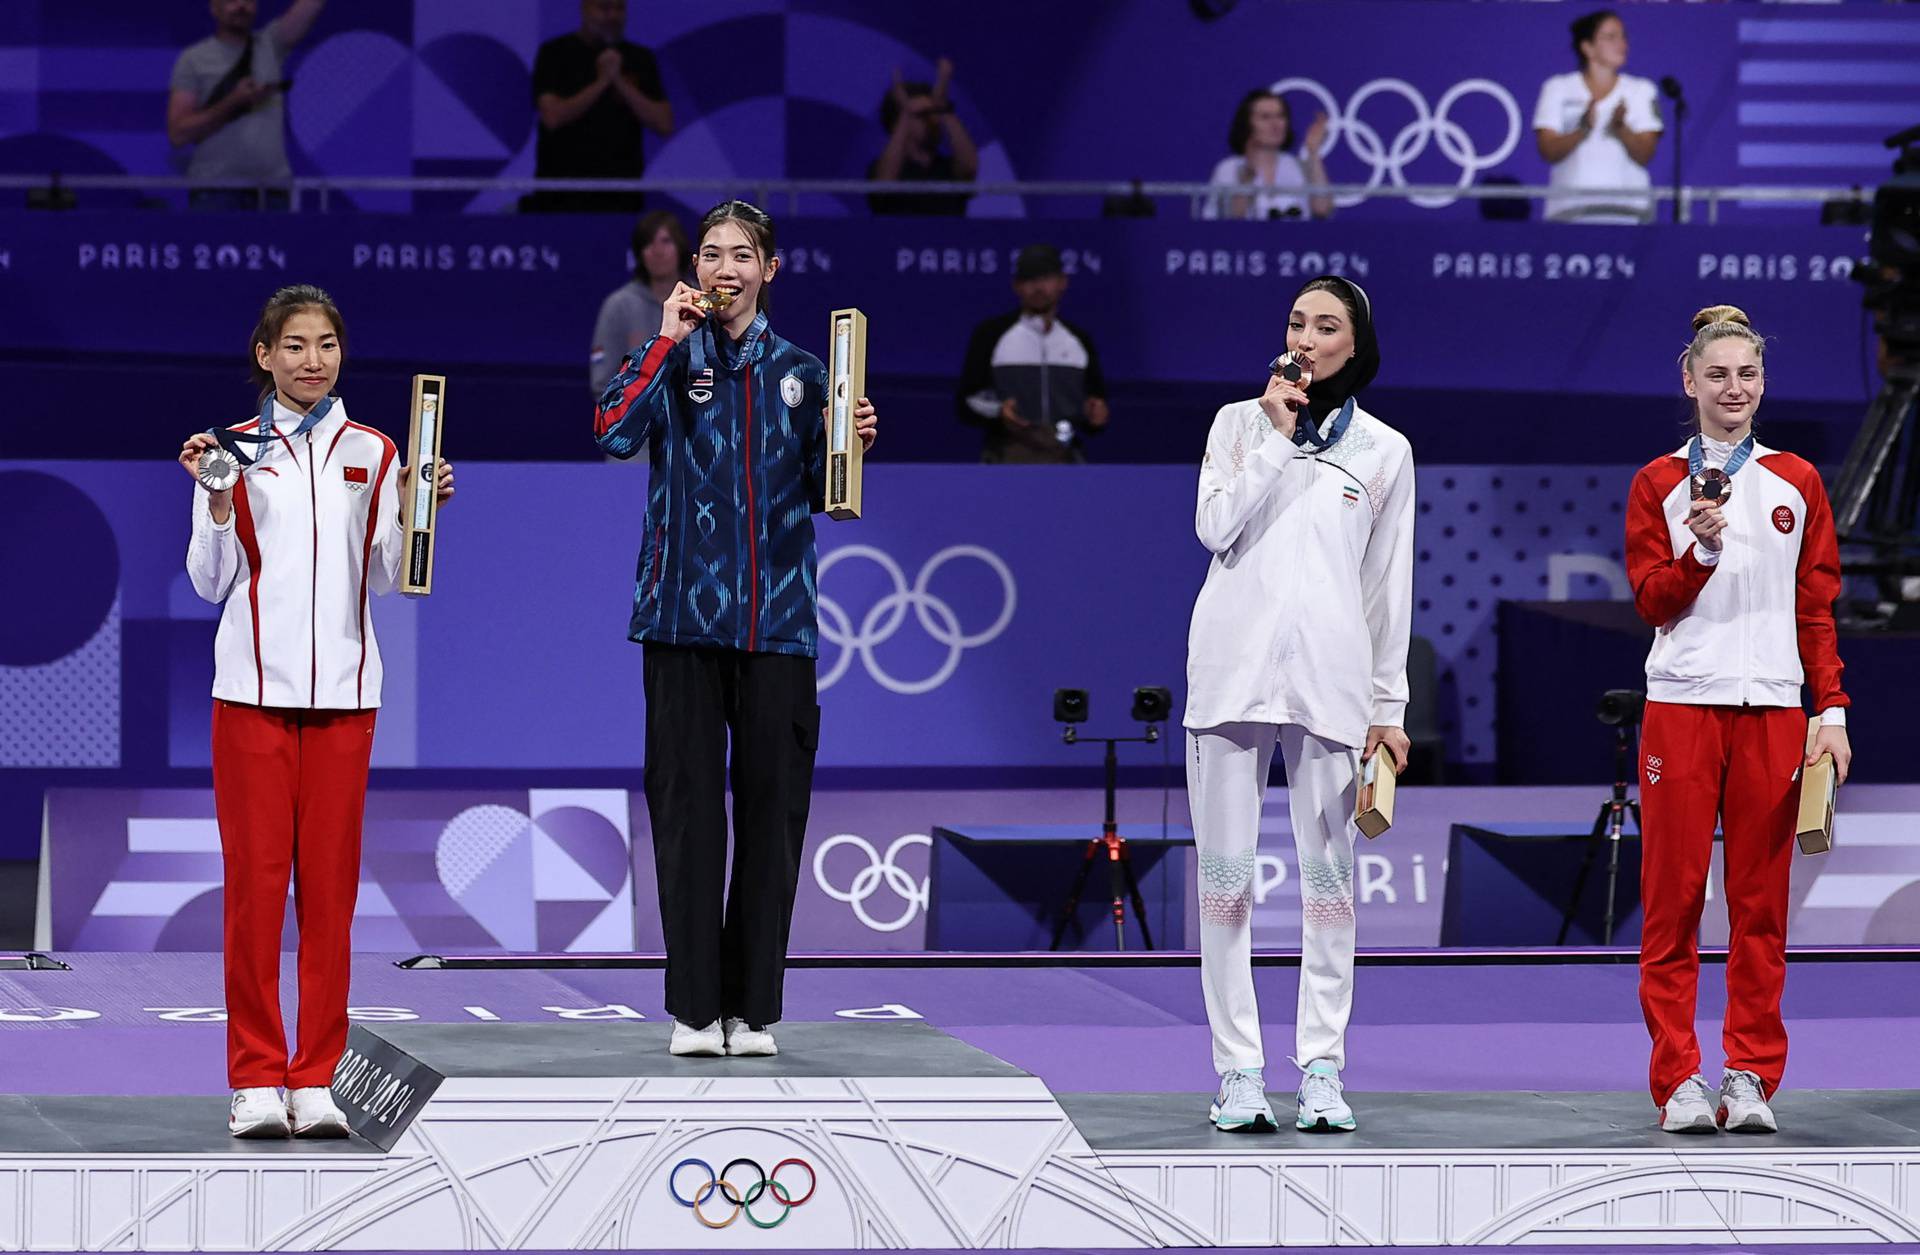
pixel 916 117
pixel 1269 181
pixel 228 103
pixel 1598 128
pixel 1032 380
pixel 597 95
pixel 630 316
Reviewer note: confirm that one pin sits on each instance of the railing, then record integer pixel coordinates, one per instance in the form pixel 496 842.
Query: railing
pixel 316 193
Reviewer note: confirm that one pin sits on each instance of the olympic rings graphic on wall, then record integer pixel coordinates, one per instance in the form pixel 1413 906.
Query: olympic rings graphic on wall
pixel 887 615
pixel 1434 124
pixel 765 1183
pixel 881 869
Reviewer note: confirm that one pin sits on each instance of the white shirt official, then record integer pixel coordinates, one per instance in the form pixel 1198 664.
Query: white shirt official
pixel 314 532
pixel 1308 604
pixel 1600 160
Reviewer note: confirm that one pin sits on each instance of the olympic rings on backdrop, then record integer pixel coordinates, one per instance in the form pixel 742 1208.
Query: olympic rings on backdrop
pixel 1431 124
pixel 765 1183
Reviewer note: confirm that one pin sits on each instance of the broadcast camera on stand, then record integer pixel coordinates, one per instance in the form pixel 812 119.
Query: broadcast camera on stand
pixel 1876 496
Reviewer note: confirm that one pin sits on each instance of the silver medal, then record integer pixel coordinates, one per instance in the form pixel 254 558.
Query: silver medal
pixel 218 470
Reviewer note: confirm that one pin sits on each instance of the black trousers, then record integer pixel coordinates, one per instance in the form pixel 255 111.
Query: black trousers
pixel 727 936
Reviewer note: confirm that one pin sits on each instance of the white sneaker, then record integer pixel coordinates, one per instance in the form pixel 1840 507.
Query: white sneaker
pixel 745 1040
pixel 1320 1106
pixel 1241 1106
pixel 312 1113
pixel 1688 1110
pixel 257 1112
pixel 707 1042
pixel 1743 1109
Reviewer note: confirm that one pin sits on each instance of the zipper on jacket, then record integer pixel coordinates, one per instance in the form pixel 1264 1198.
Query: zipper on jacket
pixel 653 572
pixel 753 518
pixel 313 591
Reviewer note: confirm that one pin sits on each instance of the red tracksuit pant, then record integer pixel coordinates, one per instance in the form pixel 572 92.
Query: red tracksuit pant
pixel 1737 764
pixel 290 789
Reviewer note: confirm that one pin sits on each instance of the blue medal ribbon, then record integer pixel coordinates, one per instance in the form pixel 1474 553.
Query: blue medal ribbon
pixel 1697 456
pixel 1307 437
pixel 232 440
pixel 1697 461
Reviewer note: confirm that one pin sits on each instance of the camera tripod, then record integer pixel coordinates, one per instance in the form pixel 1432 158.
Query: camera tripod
pixel 1121 881
pixel 1876 495
pixel 1609 826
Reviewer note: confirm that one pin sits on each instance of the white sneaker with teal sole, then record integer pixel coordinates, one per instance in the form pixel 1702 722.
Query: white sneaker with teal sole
pixel 1743 1105
pixel 1322 1107
pixel 1241 1106
pixel 1688 1110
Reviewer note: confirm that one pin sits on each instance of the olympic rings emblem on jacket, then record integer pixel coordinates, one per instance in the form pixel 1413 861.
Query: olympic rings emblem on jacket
pixel 1430 124
pixel 742 1201
pixel 887 615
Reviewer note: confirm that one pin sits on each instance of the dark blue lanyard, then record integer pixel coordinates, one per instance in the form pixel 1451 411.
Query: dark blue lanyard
pixel 1308 438
pixel 231 440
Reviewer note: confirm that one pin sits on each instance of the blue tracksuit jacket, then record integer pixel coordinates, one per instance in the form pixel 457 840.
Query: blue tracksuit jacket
pixel 736 443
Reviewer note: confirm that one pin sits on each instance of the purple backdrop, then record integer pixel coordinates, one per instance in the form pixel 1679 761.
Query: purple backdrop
pixel 1054 576
pixel 1606 308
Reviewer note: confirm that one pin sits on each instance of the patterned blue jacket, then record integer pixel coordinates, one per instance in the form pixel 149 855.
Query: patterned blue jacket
pixel 736 443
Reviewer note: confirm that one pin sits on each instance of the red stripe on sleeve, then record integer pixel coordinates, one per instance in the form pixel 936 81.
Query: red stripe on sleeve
pixel 607 415
pixel 1663 585
pixel 1816 583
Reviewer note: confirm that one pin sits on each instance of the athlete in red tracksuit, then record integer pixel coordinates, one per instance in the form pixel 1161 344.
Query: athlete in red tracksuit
pixel 1732 557
pixel 294 550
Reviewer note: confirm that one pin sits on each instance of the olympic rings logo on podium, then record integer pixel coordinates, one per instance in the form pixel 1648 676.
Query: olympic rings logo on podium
pixel 1430 124
pixel 887 615
pixel 765 1183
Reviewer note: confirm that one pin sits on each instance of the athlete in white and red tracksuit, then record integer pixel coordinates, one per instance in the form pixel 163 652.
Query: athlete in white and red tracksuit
pixel 1739 584
pixel 294 550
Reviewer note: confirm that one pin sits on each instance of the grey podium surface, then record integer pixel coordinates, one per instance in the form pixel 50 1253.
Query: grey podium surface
pixel 194 1124
pixel 1809 1119
pixel 628 1048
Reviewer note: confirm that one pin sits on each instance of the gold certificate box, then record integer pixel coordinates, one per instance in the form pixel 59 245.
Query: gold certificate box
pixel 422 506
pixel 1373 803
pixel 846 384
pixel 1818 788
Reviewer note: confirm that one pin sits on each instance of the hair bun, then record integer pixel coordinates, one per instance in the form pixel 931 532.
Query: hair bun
pixel 1721 313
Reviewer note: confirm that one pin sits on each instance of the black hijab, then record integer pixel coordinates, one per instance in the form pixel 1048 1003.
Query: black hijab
pixel 1329 394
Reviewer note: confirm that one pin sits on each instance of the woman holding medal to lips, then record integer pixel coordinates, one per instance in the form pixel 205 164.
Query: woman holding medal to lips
pixel 1732 557
pixel 733 421
pixel 299 522
pixel 1299 638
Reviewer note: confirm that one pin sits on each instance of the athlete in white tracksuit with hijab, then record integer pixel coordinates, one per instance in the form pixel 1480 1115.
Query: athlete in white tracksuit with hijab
pixel 1299 636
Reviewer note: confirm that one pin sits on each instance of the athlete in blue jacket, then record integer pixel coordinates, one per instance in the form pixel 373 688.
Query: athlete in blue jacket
pixel 733 420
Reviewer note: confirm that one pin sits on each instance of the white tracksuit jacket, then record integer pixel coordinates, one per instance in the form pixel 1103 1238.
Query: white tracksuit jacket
pixel 315 531
pixel 1308 603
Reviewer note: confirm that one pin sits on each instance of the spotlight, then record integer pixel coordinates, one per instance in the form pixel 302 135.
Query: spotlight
pixel 1620 707
pixel 1069 705
pixel 1152 705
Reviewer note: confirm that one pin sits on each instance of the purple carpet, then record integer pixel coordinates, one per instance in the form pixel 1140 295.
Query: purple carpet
pixel 147 1023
